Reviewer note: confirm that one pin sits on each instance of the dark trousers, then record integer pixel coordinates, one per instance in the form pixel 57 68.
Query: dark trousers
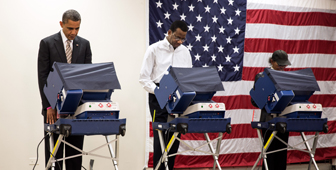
pixel 277 160
pixel 161 115
pixel 70 164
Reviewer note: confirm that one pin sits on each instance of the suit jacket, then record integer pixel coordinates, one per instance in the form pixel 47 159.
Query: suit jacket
pixel 52 50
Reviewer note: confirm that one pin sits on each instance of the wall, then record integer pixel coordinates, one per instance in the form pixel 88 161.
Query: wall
pixel 116 31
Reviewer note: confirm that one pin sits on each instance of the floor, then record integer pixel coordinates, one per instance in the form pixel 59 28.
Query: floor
pixel 321 166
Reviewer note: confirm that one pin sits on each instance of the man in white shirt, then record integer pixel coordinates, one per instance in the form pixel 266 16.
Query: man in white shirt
pixel 158 58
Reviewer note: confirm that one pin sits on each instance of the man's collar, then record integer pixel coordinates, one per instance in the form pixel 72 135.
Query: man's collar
pixel 167 43
pixel 64 38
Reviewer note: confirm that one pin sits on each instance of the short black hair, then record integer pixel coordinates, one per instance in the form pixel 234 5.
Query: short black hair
pixel 179 24
pixel 71 14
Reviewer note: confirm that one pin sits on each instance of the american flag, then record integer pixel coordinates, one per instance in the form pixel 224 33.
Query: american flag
pixel 238 37
pixel 216 31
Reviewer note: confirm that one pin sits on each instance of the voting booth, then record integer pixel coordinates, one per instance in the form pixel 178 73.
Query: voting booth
pixel 284 95
pixel 186 93
pixel 81 93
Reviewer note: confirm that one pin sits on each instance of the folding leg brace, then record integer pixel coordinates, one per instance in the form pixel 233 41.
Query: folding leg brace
pixel 263 153
pixel 214 153
pixel 114 157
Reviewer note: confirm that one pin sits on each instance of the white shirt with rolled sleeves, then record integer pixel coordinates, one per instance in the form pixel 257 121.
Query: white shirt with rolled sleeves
pixel 158 58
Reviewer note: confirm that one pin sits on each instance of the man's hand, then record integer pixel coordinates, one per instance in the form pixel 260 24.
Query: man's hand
pixel 51 116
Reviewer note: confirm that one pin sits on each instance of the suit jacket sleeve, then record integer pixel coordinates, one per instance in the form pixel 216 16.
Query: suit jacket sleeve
pixel 88 53
pixel 43 68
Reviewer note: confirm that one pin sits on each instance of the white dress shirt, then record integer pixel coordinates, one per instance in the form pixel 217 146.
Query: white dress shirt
pixel 64 39
pixel 158 57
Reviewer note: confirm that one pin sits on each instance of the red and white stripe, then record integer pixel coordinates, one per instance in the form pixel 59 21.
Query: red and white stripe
pixel 306 31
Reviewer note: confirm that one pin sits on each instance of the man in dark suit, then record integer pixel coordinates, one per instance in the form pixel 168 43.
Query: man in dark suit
pixel 66 47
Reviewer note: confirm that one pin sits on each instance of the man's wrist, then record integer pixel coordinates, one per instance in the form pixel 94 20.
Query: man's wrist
pixel 48 107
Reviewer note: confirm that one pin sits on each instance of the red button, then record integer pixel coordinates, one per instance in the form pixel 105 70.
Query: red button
pixel 210 105
pixel 308 106
pixel 217 105
pixel 314 106
pixel 100 105
pixel 108 104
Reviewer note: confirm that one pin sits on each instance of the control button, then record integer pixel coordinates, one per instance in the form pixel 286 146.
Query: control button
pixel 108 105
pixel 210 105
pixel 308 106
pixel 100 105
pixel 314 106
pixel 217 105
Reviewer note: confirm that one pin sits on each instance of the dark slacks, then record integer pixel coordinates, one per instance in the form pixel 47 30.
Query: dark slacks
pixel 70 164
pixel 277 160
pixel 161 115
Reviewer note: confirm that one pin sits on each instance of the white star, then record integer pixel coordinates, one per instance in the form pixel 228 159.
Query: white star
pixel 206 28
pixel 213 57
pixel 220 48
pixel 236 50
pixel 214 38
pixel 221 30
pixel 159 24
pixel 175 6
pixel 236 68
pixel 158 4
pixel 197 57
pixel 238 12
pixel 199 18
pixel 228 40
pixel 183 17
pixel 223 10
pixel 207 9
pixel 214 19
pixel 206 48
pixel 215 1
pixel 199 0
pixel 205 65
pixel 220 67
pixel 191 27
pixel 228 58
pixel 189 47
pixel 167 15
pixel 191 7
pixel 231 2
pixel 198 37
pixel 165 34
pixel 237 30
pixel 230 21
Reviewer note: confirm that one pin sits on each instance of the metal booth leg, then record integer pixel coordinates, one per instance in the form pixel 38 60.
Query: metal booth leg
pixel 116 147
pixel 264 148
pixel 261 155
pixel 219 141
pixel 53 153
pixel 268 143
pixel 164 156
pixel 311 151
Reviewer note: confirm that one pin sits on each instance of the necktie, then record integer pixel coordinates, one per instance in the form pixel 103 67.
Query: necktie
pixel 68 51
